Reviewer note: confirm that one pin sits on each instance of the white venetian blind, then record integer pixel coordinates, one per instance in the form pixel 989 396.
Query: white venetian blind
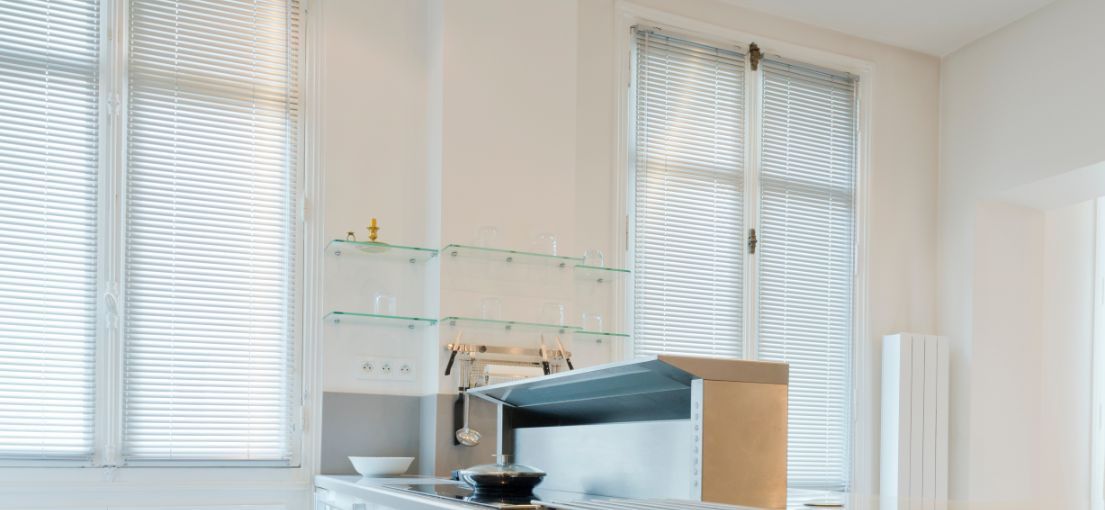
pixel 806 260
pixel 688 197
pixel 48 163
pixel 210 241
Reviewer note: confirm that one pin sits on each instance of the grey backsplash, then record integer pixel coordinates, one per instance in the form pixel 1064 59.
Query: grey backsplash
pixel 401 426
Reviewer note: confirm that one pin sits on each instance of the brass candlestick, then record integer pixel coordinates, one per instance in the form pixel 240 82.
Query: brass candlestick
pixel 372 230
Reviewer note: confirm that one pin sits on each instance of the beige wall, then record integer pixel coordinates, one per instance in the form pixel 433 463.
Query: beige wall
pixel 1066 355
pixel 1020 106
pixel 1008 323
pixel 511 122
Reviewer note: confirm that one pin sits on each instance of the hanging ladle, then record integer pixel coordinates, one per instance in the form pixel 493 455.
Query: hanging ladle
pixel 466 435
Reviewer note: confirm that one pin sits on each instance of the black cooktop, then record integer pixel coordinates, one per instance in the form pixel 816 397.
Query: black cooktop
pixel 462 493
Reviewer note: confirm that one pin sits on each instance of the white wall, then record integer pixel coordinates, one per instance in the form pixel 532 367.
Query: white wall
pixel 902 187
pixel 374 144
pixel 521 133
pixel 1032 335
pixel 1018 106
pixel 508 157
pixel 1066 355
pixel 1007 327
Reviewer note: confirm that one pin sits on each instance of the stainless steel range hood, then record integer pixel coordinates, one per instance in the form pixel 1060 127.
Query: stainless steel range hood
pixel 652 388
pixel 665 427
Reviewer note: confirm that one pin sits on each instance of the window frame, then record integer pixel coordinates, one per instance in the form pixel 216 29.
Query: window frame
pixel 107 465
pixel 864 438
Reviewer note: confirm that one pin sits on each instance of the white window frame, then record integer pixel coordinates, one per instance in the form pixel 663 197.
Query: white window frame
pixel 43 482
pixel 865 367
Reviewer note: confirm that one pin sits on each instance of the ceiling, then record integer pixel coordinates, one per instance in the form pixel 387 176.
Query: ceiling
pixel 936 27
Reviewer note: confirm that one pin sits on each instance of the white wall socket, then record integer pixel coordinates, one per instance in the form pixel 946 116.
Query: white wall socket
pixel 385 369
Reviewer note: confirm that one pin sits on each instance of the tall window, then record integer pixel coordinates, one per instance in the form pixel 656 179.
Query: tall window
pixel 704 285
pixel 211 140
pixel 49 159
pixel 196 278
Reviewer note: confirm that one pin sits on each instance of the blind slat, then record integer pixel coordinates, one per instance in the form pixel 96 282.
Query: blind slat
pixel 688 196
pixel 213 112
pixel 48 162
pixel 689 244
pixel 806 261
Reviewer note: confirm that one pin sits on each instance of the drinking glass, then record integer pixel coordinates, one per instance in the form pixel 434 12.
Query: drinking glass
pixel 591 321
pixel 553 313
pixel 594 258
pixel 385 304
pixel 487 236
pixel 545 243
pixel 491 308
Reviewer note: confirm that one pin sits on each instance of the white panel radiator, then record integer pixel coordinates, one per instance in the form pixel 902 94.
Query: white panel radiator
pixel 915 417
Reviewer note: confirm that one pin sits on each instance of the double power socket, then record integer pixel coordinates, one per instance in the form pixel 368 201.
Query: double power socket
pixel 386 369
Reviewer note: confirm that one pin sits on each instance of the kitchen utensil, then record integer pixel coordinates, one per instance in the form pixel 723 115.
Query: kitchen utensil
pixel 564 353
pixel 381 466
pixel 502 477
pixel 467 435
pixel 545 357
pixel 497 373
pixel 453 354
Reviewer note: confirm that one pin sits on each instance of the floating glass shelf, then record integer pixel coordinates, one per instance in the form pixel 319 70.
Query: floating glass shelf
pixel 460 250
pixel 411 254
pixel 599 274
pixel 380 320
pixel 508 325
pixel 600 333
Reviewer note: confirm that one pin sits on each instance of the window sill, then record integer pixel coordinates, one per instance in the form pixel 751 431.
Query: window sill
pixel 212 492
pixel 137 477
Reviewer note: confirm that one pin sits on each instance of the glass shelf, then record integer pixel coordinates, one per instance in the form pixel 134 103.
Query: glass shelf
pixel 380 320
pixel 460 250
pixel 599 274
pixel 579 332
pixel 508 325
pixel 411 254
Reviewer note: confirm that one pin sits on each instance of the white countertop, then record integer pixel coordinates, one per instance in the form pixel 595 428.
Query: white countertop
pixel 370 490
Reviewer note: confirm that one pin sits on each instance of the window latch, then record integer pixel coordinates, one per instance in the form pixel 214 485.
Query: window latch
pixel 755 55
pixel 752 241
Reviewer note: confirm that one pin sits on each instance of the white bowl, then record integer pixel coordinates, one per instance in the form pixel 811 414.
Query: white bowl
pixel 381 466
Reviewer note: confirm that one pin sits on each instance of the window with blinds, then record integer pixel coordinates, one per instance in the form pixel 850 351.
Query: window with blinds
pixel 688 197
pixel 807 173
pixel 690 192
pixel 49 140
pixel 210 273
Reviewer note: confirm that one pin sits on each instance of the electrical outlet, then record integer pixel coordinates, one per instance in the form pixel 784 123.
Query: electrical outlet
pixel 385 369
pixel 404 370
pixel 367 368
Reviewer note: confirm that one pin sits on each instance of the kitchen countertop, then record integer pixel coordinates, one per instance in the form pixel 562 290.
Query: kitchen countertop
pixel 370 490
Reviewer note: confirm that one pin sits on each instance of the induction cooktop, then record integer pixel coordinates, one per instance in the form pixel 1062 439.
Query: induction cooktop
pixel 547 499
pixel 462 493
